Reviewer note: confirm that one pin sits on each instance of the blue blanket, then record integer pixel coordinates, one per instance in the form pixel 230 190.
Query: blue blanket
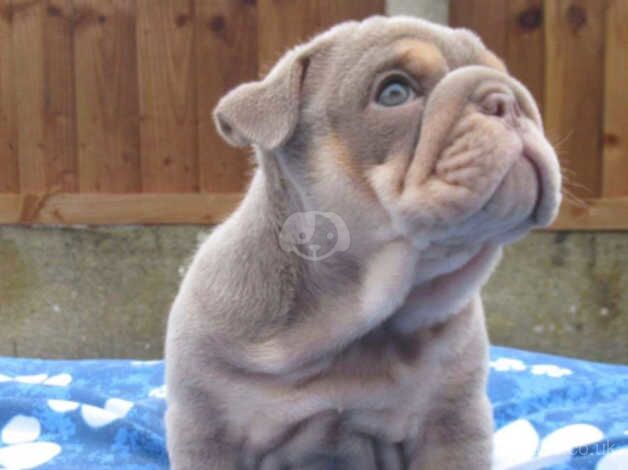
pixel 550 412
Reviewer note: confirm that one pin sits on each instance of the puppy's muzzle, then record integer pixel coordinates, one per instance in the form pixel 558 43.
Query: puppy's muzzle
pixel 498 96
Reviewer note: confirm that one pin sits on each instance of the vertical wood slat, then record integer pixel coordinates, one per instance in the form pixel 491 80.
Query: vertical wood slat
pixel 525 43
pixel 28 53
pixel 615 152
pixel 487 18
pixel 9 182
pixel 166 66
pixel 306 17
pixel 574 77
pixel 45 108
pixel 226 55
pixel 107 96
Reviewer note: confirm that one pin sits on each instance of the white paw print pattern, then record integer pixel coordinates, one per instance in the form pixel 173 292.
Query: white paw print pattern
pixel 159 392
pixel 517 445
pixel 506 364
pixel 19 444
pixel 59 380
pixel 550 370
pixel 95 416
pixel 20 448
pixel 115 408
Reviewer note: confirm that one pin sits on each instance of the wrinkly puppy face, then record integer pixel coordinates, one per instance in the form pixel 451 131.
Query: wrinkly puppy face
pixel 421 121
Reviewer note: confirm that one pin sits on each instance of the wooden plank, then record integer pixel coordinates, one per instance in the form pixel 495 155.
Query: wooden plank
pixel 615 153
pixel 45 107
pixel 574 68
pixel 107 96
pixel 600 214
pixel 209 208
pixel 104 209
pixel 307 17
pixel 168 134
pixel 226 55
pixel 9 176
pixel 487 18
pixel 28 68
pixel 332 12
pixel 525 42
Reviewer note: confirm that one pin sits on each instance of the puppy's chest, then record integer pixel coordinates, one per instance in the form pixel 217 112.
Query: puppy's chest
pixel 372 397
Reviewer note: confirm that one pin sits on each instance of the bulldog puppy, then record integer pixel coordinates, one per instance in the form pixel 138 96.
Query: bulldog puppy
pixel 334 321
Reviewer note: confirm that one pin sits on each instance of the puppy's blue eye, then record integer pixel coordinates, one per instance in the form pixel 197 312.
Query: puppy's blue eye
pixel 394 93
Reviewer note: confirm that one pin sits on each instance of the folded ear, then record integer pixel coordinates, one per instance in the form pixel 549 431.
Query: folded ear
pixel 263 113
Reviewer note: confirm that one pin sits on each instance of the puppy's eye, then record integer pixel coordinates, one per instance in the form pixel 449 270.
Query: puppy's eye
pixel 395 93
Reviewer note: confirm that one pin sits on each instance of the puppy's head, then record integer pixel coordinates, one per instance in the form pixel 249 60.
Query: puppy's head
pixel 403 121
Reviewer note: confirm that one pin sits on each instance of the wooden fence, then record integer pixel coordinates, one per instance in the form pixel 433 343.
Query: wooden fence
pixel 105 105
pixel 573 55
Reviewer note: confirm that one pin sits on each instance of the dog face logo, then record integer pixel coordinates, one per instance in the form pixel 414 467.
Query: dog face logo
pixel 314 235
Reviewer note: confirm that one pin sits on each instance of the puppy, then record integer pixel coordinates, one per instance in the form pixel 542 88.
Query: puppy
pixel 334 320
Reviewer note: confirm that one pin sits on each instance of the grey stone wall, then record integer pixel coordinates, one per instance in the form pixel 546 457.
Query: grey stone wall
pixel 106 292
pixel 433 10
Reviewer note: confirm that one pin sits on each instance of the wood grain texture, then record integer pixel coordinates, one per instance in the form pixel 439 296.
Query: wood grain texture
pixel 45 107
pixel 107 96
pixel 525 44
pixel 600 214
pixel 203 208
pixel 168 125
pixel 226 55
pixel 28 69
pixel 306 18
pixel 9 176
pixel 102 209
pixel 574 77
pixel 488 18
pixel 615 151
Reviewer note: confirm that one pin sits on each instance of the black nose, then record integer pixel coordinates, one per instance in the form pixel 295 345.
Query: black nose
pixel 501 104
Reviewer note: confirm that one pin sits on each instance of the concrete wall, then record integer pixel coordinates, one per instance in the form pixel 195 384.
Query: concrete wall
pixel 433 10
pixel 106 292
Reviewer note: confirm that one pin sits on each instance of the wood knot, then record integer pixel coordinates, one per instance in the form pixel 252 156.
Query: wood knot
pixel 576 17
pixel 181 20
pixel 54 11
pixel 6 12
pixel 217 24
pixel 611 139
pixel 530 19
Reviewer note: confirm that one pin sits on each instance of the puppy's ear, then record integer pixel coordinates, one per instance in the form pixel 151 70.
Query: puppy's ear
pixel 263 113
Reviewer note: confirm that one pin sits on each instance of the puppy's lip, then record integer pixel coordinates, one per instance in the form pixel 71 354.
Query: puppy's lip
pixel 539 187
pixel 541 156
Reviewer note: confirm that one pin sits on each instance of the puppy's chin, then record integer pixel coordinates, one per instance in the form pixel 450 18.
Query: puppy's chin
pixel 515 201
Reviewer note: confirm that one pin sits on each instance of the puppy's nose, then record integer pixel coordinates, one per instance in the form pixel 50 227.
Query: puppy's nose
pixel 502 105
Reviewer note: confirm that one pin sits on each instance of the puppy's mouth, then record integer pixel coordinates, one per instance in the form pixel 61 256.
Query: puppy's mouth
pixel 539 187
pixel 520 201
pixel 541 156
pixel 526 195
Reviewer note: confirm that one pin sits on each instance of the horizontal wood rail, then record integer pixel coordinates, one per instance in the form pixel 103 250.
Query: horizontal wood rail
pixel 210 208
pixel 102 209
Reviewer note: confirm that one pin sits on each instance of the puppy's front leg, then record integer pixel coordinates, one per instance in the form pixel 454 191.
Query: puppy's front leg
pixel 459 438
pixel 193 443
